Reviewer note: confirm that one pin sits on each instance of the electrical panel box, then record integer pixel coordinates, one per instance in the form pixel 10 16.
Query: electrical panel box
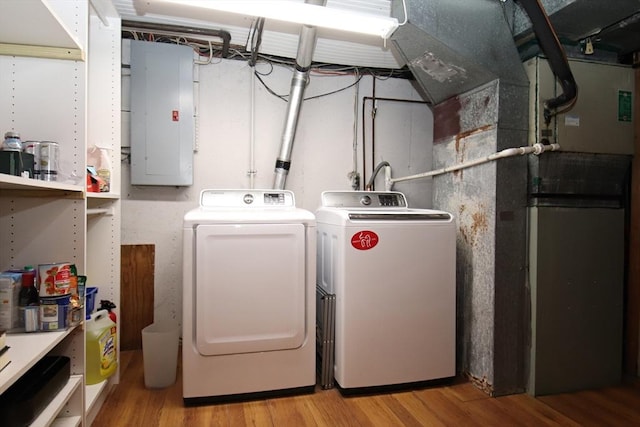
pixel 601 119
pixel 162 119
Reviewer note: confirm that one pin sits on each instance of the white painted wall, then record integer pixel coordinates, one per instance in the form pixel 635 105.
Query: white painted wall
pixel 323 153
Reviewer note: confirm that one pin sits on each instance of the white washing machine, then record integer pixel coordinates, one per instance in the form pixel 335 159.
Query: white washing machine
pixel 392 270
pixel 248 296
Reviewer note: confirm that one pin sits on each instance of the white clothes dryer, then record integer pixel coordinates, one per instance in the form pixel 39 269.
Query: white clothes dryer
pixel 249 271
pixel 392 271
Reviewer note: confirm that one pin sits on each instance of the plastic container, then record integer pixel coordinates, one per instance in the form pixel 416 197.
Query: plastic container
pixel 49 159
pixel 12 142
pixel 101 357
pixel 160 354
pixel 32 318
pixel 90 301
pixel 10 284
pixel 33 148
pixel 54 312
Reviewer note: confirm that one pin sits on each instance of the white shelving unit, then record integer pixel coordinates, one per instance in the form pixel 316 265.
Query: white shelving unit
pixel 60 81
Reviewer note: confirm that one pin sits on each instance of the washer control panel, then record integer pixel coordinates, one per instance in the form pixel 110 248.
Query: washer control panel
pixel 246 198
pixel 363 199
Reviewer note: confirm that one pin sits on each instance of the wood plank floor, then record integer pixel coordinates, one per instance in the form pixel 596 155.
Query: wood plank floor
pixel 460 404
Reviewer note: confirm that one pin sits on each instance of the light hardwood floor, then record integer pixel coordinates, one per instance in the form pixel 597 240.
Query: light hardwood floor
pixel 459 404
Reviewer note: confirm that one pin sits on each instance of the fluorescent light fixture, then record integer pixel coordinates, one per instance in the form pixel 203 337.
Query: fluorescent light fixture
pixel 298 13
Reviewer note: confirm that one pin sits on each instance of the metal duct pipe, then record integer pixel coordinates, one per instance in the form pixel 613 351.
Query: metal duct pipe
pixel 304 56
pixel 552 48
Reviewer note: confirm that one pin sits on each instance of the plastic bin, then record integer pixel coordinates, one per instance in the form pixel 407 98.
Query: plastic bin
pixel 160 354
pixel 90 301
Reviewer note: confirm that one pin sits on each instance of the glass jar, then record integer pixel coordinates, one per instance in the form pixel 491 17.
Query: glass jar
pixel 12 142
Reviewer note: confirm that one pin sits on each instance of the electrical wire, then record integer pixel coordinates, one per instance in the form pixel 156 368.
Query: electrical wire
pixel 271 91
pixel 335 91
pixel 207 62
pixel 356 97
pixel 209 50
pixel 256 41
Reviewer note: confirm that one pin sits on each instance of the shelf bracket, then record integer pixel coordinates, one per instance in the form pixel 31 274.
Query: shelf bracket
pixel 9 49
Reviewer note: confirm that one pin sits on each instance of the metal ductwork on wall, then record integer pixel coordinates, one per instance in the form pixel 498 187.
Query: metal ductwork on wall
pixel 551 47
pixel 463 56
pixel 453 46
pixel 607 31
pixel 306 45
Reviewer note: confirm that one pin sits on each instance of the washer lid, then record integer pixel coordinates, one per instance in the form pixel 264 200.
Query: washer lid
pixel 357 207
pixel 400 216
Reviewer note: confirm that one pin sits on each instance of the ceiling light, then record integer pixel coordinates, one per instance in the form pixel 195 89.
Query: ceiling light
pixel 295 12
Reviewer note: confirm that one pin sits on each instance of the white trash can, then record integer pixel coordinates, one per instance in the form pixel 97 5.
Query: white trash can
pixel 160 354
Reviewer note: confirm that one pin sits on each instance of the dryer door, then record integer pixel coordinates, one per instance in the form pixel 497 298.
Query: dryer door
pixel 250 288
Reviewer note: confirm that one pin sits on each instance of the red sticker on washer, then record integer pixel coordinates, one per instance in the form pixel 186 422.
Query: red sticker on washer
pixel 364 240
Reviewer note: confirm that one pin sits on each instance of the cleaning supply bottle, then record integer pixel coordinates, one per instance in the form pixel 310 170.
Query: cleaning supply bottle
pixel 109 306
pixel 102 359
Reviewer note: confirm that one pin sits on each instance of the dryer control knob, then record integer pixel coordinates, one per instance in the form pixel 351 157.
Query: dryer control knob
pixel 365 200
pixel 248 199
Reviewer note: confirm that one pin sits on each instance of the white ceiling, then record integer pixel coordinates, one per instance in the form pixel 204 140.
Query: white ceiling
pixel 280 39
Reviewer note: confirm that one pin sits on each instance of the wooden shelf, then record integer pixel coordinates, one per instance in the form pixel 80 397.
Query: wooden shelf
pixel 49 414
pixel 92 393
pixel 67 421
pixel 94 195
pixel 9 49
pixel 105 212
pixel 25 350
pixel 38 188
pixel 47 37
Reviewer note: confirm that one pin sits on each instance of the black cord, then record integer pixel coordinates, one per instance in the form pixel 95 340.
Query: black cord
pixel 335 91
pixel 256 41
pixel 282 97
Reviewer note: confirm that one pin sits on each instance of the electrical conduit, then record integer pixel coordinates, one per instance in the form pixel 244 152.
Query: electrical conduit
pixel 306 45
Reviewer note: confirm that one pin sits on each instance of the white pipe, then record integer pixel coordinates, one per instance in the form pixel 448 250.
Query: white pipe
pixel 536 149
pixel 387 178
